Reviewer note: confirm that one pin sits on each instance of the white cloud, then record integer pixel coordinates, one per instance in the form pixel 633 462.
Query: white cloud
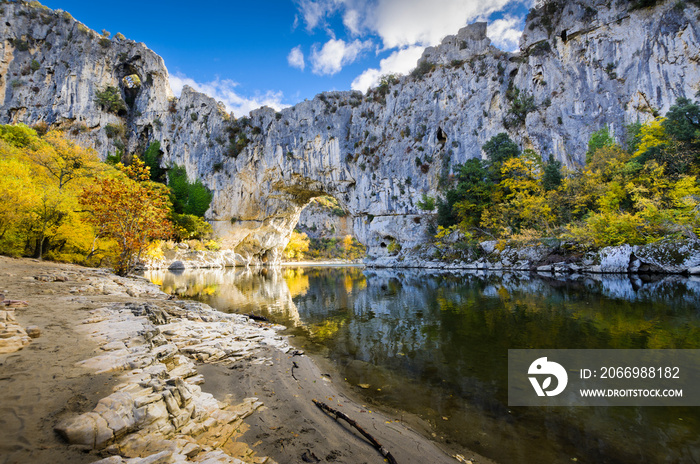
pixel 505 33
pixel 296 58
pixel 316 11
pixel 401 23
pixel 400 62
pixel 335 54
pixel 351 20
pixel 224 90
pixel 408 22
pixel 404 27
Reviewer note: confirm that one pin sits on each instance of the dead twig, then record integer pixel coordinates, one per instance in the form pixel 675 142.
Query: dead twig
pixel 341 415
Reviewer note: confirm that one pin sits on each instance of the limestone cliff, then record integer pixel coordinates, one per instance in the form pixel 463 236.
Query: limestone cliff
pixel 581 65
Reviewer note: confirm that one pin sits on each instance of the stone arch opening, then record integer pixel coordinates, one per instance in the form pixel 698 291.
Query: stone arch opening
pixel 563 36
pixel 330 228
pixel 130 82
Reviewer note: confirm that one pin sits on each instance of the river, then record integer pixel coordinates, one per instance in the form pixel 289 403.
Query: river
pixel 436 345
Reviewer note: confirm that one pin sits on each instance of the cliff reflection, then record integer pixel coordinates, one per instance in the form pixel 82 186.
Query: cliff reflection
pixel 263 292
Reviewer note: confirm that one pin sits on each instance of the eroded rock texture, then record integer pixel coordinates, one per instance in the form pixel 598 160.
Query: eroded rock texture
pixel 585 64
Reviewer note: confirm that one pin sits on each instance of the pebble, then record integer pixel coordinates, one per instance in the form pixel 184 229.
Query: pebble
pixel 33 331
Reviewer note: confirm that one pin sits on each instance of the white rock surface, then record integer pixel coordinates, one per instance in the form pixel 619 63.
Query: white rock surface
pixel 158 413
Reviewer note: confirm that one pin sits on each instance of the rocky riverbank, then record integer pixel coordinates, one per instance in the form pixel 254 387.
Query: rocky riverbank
pixel 185 258
pixel 556 257
pixel 548 257
pixel 113 376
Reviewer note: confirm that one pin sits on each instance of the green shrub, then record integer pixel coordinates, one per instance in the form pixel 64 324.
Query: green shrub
pixel 21 45
pixel 610 70
pixel 115 130
pixel 115 158
pixel 189 226
pixel 152 158
pixel 34 66
pixel 393 248
pixel 110 100
pixel 188 197
pixel 521 103
pixel 541 48
pixel 236 147
pixel 427 203
pixel 423 68
pixel 599 139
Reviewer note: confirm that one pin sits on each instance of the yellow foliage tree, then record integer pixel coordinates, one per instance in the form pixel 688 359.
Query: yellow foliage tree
pixel 43 176
pixel 297 246
pixel 20 196
pixel 652 134
pixel 64 160
pixel 522 201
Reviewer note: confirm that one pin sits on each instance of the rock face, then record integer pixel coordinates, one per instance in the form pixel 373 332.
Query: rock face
pixel 586 64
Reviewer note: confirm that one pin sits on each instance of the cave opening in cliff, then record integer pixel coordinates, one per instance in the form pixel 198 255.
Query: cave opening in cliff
pixel 441 136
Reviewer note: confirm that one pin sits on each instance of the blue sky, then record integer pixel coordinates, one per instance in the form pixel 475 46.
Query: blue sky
pixel 280 52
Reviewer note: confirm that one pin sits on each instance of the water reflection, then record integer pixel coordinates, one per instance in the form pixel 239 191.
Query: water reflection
pixel 262 291
pixel 436 345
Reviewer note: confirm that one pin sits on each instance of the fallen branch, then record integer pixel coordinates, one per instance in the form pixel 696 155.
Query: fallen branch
pixel 257 318
pixel 342 415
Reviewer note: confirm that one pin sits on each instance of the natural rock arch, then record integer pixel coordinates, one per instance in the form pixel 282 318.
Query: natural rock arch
pixel 377 153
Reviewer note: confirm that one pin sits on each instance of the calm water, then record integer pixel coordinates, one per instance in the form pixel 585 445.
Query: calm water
pixel 436 345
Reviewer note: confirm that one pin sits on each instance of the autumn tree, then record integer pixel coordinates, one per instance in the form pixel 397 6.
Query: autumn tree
pixel 42 177
pixel 130 209
pixel 63 159
pixel 520 201
pixel 63 163
pixel 297 246
pixel 20 196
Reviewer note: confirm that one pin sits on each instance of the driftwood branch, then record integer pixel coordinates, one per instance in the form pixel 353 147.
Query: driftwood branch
pixel 342 415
